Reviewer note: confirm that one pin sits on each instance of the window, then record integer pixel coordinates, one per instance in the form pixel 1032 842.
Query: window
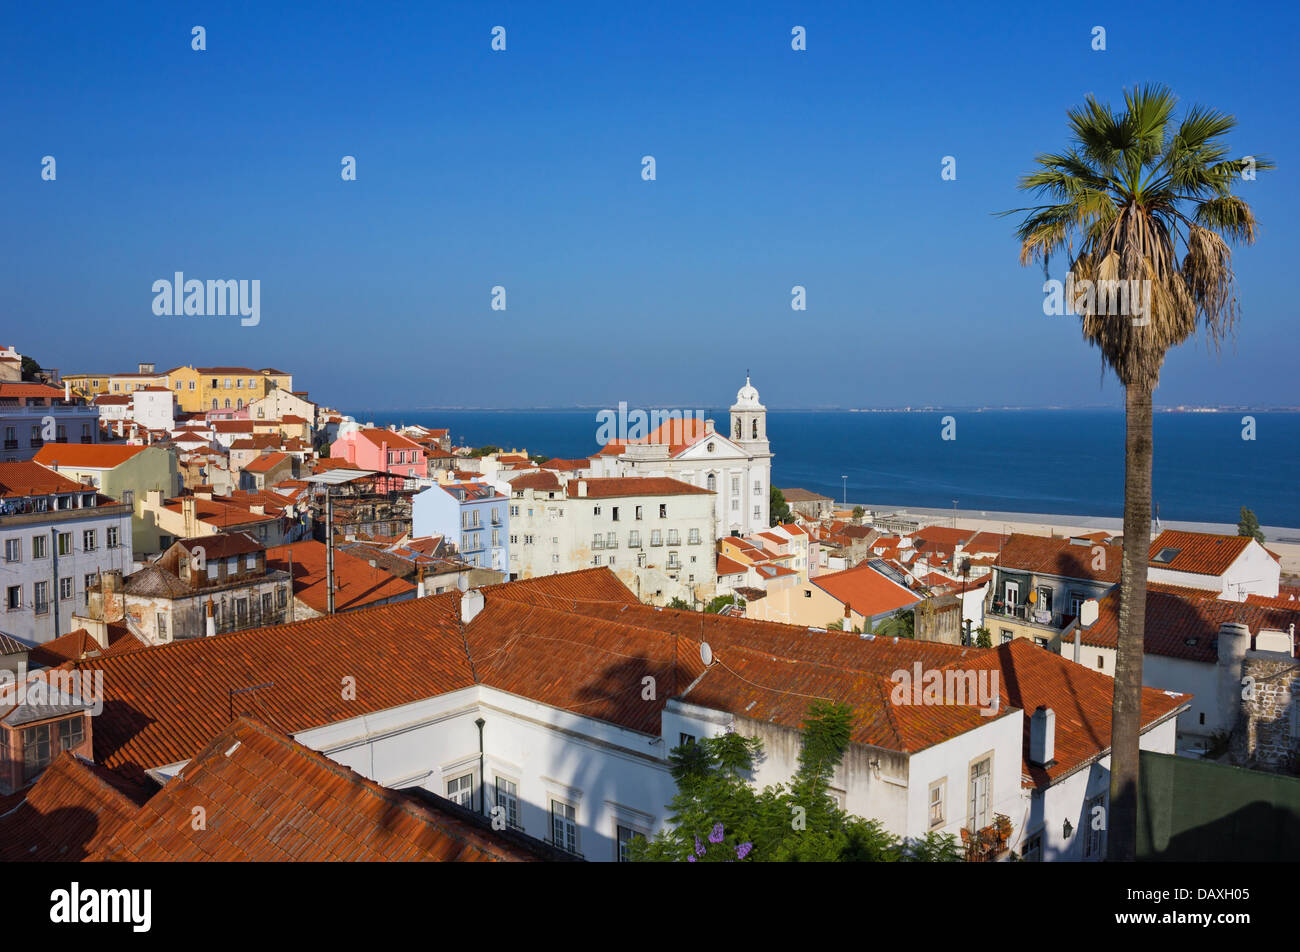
pixel 37 752
pixel 162 626
pixel 65 588
pixel 595 510
pixel 461 790
pixel 936 803
pixel 634 539
pixel 735 505
pixel 564 827
pixel 14 598
pixel 1033 851
pixel 41 597
pixel 1006 636
pixel 1041 642
pixel 614 513
pixel 507 798
pixel 1101 664
pixel 1093 816
pixel 684 739
pixel 281 598
pixel 694 537
pixel 625 836
pixel 514 510
pixel 266 605
pixel 663 510
pixel 980 777
pixel 656 537
pixel 89 540
pixel 758 512
pixel 13 550
pixel 91 581
pixel 758 488
pixel 638 512
pixel 735 485
pixel 712 483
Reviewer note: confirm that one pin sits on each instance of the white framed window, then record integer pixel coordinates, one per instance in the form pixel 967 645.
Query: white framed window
pixel 1033 850
pixel 564 826
pixel 624 835
pixel 979 814
pixel 506 796
pixel 938 811
pixel 65 588
pixel 461 790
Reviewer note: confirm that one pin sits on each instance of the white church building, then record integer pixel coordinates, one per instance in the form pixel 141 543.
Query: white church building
pixel 737 467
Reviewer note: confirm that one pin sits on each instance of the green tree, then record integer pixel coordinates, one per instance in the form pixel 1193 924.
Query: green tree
pixel 901 624
pixel 983 637
pixel 858 512
pixel 30 368
pixel 717 604
pixel 717 816
pixel 680 603
pixel 1249 526
pixel 1131 187
pixel 778 508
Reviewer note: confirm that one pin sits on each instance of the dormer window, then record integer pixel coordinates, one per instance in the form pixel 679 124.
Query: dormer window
pixel 1165 556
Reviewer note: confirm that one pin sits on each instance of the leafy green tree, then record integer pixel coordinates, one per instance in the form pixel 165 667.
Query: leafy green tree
pixel 680 603
pixel 717 604
pixel 1129 189
pixel 778 508
pixel 858 512
pixel 717 816
pixel 484 451
pixel 901 624
pixel 983 637
pixel 1249 526
pixel 30 368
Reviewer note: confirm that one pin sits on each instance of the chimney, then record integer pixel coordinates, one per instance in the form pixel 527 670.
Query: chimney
pixel 187 515
pixel 1088 613
pixel 67 390
pixel 1234 642
pixel 471 603
pixel 1042 737
pixel 211 621
pixel 582 489
pixel 708 426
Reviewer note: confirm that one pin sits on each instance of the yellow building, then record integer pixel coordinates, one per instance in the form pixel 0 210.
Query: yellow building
pixel 196 388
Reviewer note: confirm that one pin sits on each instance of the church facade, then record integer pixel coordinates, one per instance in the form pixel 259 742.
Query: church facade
pixel 735 464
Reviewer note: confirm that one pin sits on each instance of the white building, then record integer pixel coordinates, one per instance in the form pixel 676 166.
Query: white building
pixel 57 536
pixel 153 408
pixel 736 466
pixel 559 701
pixel 655 533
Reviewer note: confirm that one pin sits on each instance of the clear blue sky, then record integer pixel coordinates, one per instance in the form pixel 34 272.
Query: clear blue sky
pixel 522 169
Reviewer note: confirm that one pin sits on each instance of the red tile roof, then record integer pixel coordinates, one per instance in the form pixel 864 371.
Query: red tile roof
pixel 356 583
pixel 32 479
pixel 66 815
pixel 264 464
pixel 86 455
pixel 395 441
pixel 270 799
pixel 728 566
pixel 1198 552
pixel 219 512
pixel 24 391
pixel 1050 556
pixel 1184 622
pixel 613 487
pixel 545 481
pixel 566 465
pixel 865 590
pixel 73 646
pixel 677 435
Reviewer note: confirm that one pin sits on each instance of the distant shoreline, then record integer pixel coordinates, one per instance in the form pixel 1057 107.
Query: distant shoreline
pixel 987 519
pixel 1102 408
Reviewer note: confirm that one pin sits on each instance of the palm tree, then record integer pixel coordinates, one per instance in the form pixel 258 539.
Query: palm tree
pixel 1134 187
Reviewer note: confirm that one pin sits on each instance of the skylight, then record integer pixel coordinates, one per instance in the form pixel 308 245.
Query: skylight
pixel 1166 555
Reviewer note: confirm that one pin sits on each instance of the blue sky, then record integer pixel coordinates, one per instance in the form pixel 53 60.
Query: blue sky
pixel 522 169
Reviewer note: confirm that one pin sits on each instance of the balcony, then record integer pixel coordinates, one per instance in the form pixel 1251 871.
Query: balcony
pixel 598 542
pixel 1029 615
pixel 11 444
pixel 990 843
pixel 655 540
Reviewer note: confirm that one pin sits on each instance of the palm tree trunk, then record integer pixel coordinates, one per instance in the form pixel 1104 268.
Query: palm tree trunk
pixel 1126 721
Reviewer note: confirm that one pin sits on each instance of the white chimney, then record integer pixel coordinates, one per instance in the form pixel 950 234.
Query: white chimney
pixel 1088 612
pixel 67 390
pixel 1233 643
pixel 1042 737
pixel 211 622
pixel 471 603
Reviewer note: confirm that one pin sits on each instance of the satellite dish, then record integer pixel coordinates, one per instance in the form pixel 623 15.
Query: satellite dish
pixel 462 583
pixel 706 653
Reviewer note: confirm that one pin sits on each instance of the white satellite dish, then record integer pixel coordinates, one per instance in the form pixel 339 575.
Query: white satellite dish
pixel 706 653
pixel 462 583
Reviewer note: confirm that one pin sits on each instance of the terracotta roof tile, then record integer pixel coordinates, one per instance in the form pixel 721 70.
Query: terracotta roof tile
pixel 1197 552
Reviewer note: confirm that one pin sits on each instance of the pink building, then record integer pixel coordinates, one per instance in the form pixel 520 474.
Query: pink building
pixel 382 451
